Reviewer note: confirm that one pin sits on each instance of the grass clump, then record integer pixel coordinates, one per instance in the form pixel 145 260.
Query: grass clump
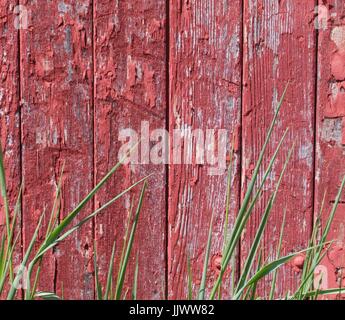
pixel 244 285
pixel 55 233
pixel 254 269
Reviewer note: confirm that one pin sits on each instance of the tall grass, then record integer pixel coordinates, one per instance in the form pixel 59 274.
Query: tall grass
pixel 111 291
pixel 55 233
pixel 244 286
pixel 253 270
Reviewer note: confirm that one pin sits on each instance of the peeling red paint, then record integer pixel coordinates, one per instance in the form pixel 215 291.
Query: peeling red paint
pixel 297 263
pixel 330 138
pixel 205 92
pixel 216 263
pixel 335 107
pixel 338 65
pixel 279 46
pixel 90 68
pixel 9 108
pixel 56 90
pixel 130 87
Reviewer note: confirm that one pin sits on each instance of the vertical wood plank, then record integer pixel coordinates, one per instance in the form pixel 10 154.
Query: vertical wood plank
pixel 330 149
pixel 9 108
pixel 56 87
pixel 205 93
pixel 279 47
pixel 130 58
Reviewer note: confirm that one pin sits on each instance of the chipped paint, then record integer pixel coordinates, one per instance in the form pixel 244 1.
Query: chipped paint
pixel 330 142
pixel 279 46
pixel 130 84
pixel 205 93
pixel 109 70
pixel 56 125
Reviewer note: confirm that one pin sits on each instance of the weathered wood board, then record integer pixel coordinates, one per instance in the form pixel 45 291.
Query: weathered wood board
pixel 279 47
pixel 74 75
pixel 205 93
pixel 9 108
pixel 330 135
pixel 57 127
pixel 130 93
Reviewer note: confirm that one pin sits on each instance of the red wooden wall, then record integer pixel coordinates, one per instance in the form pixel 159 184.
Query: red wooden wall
pixel 80 71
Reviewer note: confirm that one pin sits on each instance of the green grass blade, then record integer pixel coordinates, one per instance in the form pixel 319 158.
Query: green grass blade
pixel 312 257
pixel 69 218
pixel 233 275
pixel 201 295
pixel 251 185
pixel 262 152
pixel 34 287
pixel 123 266
pixel 49 245
pixel 135 281
pixel 2 255
pixel 325 292
pixel 307 280
pixel 125 294
pixel 13 226
pixel 9 230
pixel 98 286
pixel 253 251
pixel 228 198
pixel 242 219
pixel 125 238
pixel 263 272
pixel 254 286
pixel 318 288
pixel 275 273
pixel 260 232
pixel 268 268
pixel 252 290
pixel 4 192
pixel 246 208
pixel 190 279
pixel 56 207
pixel 334 209
pixel 19 275
pixel 47 296
pixel 110 273
pixel 227 210
pixel 7 265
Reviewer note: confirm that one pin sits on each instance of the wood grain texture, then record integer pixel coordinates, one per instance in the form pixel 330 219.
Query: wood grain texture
pixel 130 87
pixel 330 147
pixel 205 93
pixel 9 108
pixel 82 71
pixel 279 47
pixel 57 118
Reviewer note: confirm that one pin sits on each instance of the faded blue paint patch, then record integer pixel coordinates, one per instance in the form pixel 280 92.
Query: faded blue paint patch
pixel 67 43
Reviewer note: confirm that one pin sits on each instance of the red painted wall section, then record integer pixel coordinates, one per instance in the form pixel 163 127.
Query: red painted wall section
pixel 130 88
pixel 279 47
pixel 56 93
pixel 330 147
pixel 82 71
pixel 9 106
pixel 205 93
